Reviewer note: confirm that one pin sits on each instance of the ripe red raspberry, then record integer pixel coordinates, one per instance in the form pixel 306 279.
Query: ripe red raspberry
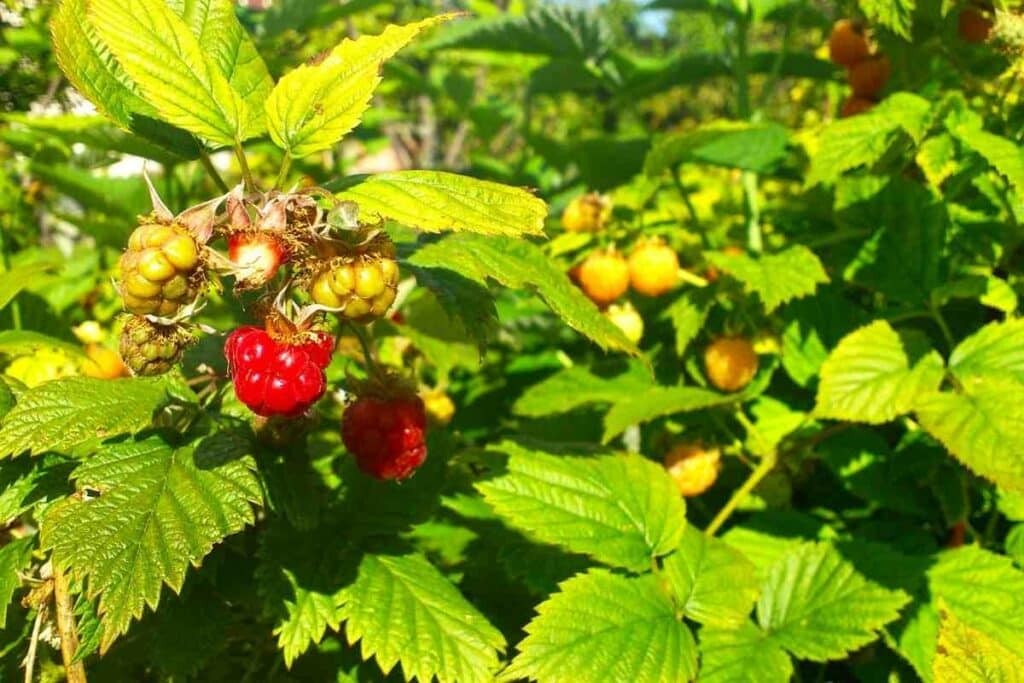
pixel 272 378
pixel 386 436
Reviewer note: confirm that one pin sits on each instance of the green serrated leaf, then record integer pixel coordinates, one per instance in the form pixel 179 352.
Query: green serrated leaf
pixel 1003 154
pixel 158 51
pixel 90 67
pixel 301 583
pixel 405 611
pixel 594 628
pixel 864 139
pixel 221 37
pixel 21 277
pixel 745 654
pixel 983 427
pixel 905 258
pixel 713 583
pixel 58 415
pixel 688 314
pixel 26 482
pixel 984 590
pixel 578 385
pixel 937 159
pixel 818 607
pixel 967 655
pixel 754 147
pixel 434 201
pixel 518 264
pixel 619 509
pixel 467 304
pixel 895 15
pixel 553 31
pixel 15 556
pixel 658 402
pixel 315 105
pixel 158 509
pixel 775 278
pixel 868 377
pixel 993 352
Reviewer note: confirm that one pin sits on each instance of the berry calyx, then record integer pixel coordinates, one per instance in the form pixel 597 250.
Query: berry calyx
pixel 855 105
pixel 360 286
pixel 626 318
pixel 973 25
pixel 604 276
pixel 161 270
pixel 256 255
pixel 386 435
pixel 653 268
pixel 848 43
pixel 868 76
pixel 730 363
pixel 148 348
pixel 587 213
pixel 282 376
pixel 693 467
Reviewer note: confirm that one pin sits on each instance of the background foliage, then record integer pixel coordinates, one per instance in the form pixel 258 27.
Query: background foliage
pixel 868 520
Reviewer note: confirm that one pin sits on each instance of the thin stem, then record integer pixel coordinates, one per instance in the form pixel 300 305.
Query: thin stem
pixel 75 671
pixel 947 334
pixel 751 429
pixel 364 342
pixel 677 180
pixel 755 239
pixel 243 163
pixel 282 175
pixel 33 645
pixel 766 465
pixel 692 278
pixel 204 159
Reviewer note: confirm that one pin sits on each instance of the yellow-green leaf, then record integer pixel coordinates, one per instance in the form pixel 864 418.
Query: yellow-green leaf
pixel 966 655
pixel 90 67
pixel 169 66
pixel 316 104
pixel 222 37
pixel 433 201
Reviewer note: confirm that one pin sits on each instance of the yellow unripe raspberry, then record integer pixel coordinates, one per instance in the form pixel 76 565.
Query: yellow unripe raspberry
pixel 730 363
pixel 161 270
pixel 693 467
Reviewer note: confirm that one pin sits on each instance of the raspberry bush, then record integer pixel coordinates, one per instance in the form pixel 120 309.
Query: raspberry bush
pixel 480 340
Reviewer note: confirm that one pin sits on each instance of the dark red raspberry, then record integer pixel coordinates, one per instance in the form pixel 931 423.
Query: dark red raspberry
pixel 386 436
pixel 274 378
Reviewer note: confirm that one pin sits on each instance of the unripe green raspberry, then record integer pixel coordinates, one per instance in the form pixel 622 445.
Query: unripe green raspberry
pixel 151 349
pixel 161 270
